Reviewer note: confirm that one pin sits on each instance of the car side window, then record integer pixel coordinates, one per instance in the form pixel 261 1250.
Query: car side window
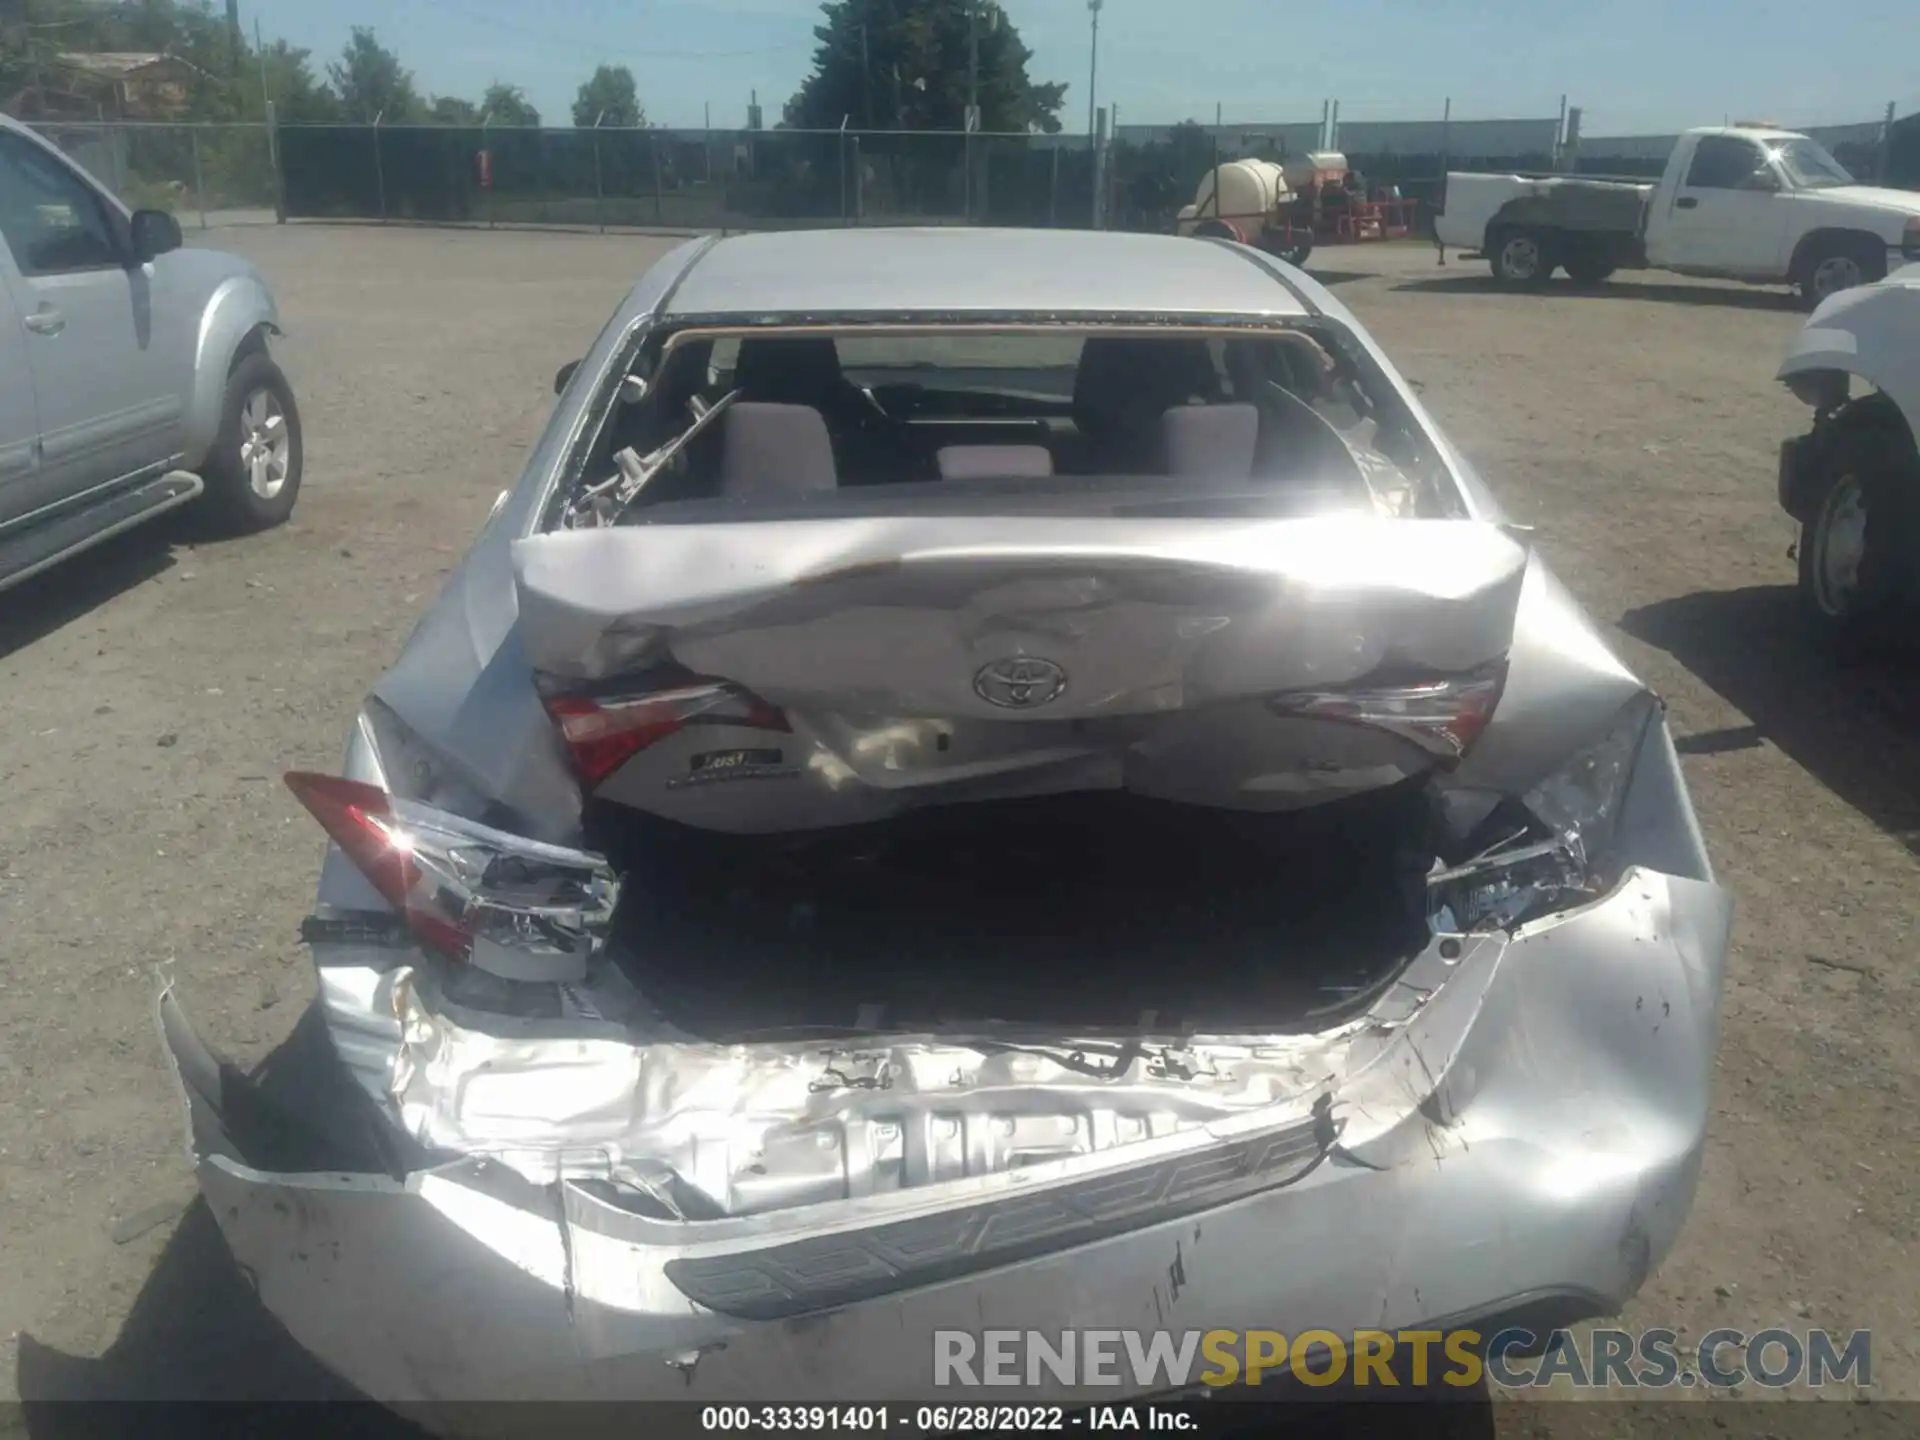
pixel 52 221
pixel 1721 162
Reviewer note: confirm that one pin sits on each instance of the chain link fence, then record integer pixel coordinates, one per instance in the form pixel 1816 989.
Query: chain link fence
pixel 703 179
pixel 205 174
pixel 610 177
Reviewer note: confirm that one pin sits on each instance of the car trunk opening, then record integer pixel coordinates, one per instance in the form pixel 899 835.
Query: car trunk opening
pixel 889 772
pixel 1072 912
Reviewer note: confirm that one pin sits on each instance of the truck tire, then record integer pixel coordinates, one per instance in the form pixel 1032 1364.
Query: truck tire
pixel 1522 258
pixel 252 474
pixel 1296 255
pixel 1830 266
pixel 1860 545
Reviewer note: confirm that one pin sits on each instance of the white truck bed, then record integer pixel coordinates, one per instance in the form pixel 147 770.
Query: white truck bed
pixel 1472 199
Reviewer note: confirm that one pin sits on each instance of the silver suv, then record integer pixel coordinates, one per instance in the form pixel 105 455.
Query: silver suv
pixel 134 374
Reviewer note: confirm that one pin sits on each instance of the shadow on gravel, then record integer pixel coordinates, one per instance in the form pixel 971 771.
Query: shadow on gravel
pixel 1851 722
pixel 73 588
pixel 199 1354
pixel 1339 277
pixel 196 1333
pixel 34 609
pixel 1618 290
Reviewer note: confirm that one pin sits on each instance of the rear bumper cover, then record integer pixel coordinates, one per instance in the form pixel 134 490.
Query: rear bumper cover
pixel 1550 1147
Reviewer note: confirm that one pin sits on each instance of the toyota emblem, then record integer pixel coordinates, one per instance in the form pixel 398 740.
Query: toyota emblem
pixel 1020 682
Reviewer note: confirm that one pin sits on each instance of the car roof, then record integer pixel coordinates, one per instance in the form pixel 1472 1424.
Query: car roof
pixel 965 272
pixel 1747 132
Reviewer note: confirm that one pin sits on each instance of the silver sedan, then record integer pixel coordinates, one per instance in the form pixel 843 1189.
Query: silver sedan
pixel 976 771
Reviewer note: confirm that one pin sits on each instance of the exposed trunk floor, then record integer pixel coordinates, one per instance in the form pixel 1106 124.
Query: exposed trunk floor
pixel 1087 911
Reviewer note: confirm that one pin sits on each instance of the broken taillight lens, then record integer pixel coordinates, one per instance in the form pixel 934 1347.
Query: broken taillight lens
pixel 514 907
pixel 1442 714
pixel 603 732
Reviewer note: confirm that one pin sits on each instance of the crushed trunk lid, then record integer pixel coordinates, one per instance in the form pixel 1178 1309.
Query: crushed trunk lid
pixel 872 666
pixel 908 617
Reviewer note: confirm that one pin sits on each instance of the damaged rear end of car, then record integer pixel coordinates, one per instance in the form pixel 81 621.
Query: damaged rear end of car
pixel 760 931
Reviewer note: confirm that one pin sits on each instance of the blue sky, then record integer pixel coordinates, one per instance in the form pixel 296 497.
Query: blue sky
pixel 1635 65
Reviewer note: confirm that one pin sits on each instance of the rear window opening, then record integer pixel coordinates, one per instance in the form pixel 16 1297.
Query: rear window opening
pixel 1078 913
pixel 736 424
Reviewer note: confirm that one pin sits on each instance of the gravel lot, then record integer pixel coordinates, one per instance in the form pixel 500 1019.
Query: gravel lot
pixel 154 691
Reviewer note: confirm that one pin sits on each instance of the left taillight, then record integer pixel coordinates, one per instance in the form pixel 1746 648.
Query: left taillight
pixel 1442 714
pixel 514 907
pixel 604 731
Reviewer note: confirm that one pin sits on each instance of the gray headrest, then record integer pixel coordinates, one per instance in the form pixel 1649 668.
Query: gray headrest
pixel 774 450
pixel 1215 441
pixel 985 462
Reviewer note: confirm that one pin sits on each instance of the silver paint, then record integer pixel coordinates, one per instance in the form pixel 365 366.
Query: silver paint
pixel 1523 1111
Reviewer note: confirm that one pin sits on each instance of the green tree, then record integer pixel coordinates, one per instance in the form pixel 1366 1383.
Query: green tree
pixel 508 105
pixel 452 110
pixel 904 65
pixel 284 74
pixel 371 82
pixel 609 96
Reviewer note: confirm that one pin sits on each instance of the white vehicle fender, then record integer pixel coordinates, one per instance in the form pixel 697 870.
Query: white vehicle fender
pixel 239 309
pixel 1869 332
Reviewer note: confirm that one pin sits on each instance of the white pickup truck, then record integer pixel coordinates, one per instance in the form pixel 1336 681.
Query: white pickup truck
pixel 1746 202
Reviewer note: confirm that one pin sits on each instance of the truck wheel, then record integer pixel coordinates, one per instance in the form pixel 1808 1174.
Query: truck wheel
pixel 1838 265
pixel 1521 257
pixel 252 474
pixel 1296 255
pixel 1860 546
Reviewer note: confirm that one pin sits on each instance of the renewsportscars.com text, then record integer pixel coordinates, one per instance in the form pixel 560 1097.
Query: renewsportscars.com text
pixel 1149 1361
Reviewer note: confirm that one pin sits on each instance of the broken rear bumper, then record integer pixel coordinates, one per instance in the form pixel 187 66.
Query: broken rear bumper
pixel 1540 1142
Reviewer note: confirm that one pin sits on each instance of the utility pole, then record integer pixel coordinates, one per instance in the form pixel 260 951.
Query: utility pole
pixel 273 130
pixel 972 119
pixel 1093 63
pixel 866 74
pixel 973 64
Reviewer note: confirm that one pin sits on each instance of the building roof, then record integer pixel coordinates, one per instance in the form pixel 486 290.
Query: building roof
pixel 121 64
pixel 958 270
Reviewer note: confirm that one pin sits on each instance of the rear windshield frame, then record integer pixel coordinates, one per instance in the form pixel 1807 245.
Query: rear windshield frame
pixel 650 341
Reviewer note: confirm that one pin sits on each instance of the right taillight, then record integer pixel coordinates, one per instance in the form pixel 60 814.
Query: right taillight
pixel 1442 714
pixel 605 730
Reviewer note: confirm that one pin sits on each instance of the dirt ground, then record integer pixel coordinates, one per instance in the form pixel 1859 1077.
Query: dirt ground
pixel 154 691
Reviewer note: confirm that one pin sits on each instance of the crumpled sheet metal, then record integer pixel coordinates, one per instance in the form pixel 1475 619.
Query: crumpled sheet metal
pixel 901 602
pixel 1534 1125
pixel 751 1128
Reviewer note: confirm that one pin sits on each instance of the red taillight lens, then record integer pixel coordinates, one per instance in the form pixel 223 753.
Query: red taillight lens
pixel 359 819
pixel 603 732
pixel 1443 715
pixel 518 908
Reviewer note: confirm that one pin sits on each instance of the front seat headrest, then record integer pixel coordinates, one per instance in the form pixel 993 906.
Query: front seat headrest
pixel 787 369
pixel 1125 382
